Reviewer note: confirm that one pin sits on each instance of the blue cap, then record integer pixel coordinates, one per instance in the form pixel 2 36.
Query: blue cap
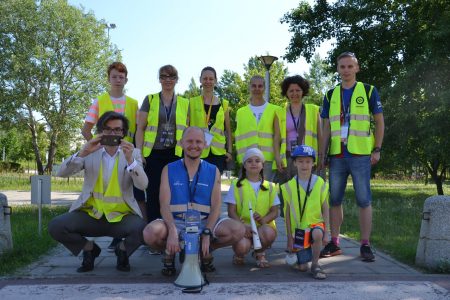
pixel 304 151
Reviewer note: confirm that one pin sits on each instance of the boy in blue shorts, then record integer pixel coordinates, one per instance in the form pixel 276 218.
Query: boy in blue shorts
pixel 306 211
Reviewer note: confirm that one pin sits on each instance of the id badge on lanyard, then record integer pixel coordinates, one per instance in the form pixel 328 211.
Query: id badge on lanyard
pixel 192 220
pixel 344 129
pixel 208 138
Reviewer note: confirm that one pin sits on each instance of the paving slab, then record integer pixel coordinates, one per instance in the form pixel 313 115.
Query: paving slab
pixel 54 276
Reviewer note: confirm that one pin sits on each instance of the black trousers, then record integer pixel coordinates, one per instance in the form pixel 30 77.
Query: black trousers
pixel 155 163
pixel 70 229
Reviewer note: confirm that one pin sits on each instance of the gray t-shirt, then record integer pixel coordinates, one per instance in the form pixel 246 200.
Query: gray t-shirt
pixel 166 132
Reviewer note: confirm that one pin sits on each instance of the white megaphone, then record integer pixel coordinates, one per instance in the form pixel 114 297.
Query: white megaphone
pixel 190 276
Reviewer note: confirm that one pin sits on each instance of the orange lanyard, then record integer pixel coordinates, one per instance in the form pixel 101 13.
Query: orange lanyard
pixel 209 110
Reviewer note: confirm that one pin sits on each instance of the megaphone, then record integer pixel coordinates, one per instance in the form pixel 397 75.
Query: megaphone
pixel 190 276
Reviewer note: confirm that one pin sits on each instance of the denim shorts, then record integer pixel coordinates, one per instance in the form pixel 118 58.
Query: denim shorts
pixel 357 166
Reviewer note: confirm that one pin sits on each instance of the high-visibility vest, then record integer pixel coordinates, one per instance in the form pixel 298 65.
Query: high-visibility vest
pixel 261 204
pixel 131 107
pixel 182 108
pixel 311 115
pixel 313 210
pixel 360 139
pixel 249 134
pixel 109 202
pixel 180 189
pixel 197 118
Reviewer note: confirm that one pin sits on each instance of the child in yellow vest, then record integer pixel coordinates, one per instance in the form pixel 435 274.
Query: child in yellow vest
pixel 251 193
pixel 306 212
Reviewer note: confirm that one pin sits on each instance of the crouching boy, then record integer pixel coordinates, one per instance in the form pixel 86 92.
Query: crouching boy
pixel 306 211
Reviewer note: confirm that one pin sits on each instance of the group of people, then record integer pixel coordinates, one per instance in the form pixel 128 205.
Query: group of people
pixel 164 170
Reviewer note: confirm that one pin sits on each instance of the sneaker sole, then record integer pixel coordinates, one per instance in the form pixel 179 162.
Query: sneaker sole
pixel 335 253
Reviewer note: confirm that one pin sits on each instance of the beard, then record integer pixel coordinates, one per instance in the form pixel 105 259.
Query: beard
pixel 192 157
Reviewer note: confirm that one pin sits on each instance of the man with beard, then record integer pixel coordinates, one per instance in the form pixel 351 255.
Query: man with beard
pixel 190 189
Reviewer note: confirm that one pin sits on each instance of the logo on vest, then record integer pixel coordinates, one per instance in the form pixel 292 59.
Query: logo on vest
pixel 202 184
pixel 177 183
pixel 360 100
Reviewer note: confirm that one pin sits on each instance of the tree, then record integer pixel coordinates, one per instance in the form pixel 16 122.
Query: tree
pixel 402 47
pixel 193 90
pixel 53 59
pixel 320 80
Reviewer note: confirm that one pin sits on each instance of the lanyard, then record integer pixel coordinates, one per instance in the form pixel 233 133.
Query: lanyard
pixel 345 109
pixel 302 211
pixel 168 110
pixel 209 110
pixel 192 185
pixel 296 124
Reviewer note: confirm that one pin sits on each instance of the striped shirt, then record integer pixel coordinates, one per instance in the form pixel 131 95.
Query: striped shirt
pixel 118 104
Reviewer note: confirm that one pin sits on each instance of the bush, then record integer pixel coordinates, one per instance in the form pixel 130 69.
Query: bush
pixel 7 166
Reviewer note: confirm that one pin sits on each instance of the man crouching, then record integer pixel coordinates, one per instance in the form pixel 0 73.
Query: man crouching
pixel 106 206
pixel 190 189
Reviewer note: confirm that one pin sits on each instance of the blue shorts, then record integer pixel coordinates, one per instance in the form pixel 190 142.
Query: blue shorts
pixel 305 255
pixel 357 166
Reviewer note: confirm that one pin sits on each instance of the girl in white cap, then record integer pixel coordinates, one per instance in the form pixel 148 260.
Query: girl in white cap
pixel 252 192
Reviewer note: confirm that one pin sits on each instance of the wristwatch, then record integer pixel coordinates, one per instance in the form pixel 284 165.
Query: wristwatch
pixel 376 150
pixel 207 231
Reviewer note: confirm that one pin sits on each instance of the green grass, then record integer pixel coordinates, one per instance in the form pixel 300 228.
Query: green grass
pixel 22 182
pixel 397 214
pixel 28 246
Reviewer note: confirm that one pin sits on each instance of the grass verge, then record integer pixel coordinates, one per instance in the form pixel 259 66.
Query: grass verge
pixel 22 182
pixel 28 245
pixel 397 215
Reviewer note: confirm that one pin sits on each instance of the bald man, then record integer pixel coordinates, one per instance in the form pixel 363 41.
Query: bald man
pixel 191 186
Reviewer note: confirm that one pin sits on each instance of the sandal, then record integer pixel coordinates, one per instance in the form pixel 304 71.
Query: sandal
pixel 318 273
pixel 238 260
pixel 261 261
pixel 207 264
pixel 169 266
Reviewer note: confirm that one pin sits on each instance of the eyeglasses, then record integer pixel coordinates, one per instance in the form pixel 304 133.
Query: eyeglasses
pixel 116 130
pixel 168 77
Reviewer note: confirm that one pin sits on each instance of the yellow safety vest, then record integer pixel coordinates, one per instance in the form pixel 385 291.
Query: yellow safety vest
pixel 131 107
pixel 360 138
pixel 198 118
pixel 109 203
pixel 181 113
pixel 311 114
pixel 260 204
pixel 249 134
pixel 313 212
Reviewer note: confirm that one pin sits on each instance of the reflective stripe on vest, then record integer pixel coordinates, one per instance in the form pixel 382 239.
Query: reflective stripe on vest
pixel 110 202
pixel 261 204
pixel 249 134
pixel 311 120
pixel 131 107
pixel 182 107
pixel 313 212
pixel 360 138
pixel 197 118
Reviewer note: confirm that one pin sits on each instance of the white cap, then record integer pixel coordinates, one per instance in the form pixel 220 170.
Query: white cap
pixel 253 152
pixel 291 259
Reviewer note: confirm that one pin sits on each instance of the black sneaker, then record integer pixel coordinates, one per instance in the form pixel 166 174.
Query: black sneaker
pixel 331 249
pixel 89 259
pixel 114 242
pixel 366 253
pixel 123 263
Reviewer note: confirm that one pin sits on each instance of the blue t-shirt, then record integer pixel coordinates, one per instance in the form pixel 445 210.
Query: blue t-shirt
pixel 374 107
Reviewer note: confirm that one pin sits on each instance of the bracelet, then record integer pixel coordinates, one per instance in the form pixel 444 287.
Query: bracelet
pixel 376 150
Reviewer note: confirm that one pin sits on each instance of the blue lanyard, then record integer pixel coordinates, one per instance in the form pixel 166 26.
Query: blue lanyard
pixel 193 183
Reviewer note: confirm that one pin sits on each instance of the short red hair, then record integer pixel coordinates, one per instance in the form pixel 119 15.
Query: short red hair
pixel 120 67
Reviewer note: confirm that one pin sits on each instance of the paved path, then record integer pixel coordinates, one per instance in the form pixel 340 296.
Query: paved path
pixel 54 276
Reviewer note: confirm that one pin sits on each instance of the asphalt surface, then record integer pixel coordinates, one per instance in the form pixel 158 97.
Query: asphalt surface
pixel 54 276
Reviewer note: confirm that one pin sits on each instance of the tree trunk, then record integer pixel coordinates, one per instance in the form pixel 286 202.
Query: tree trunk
pixel 51 153
pixel 433 168
pixel 34 140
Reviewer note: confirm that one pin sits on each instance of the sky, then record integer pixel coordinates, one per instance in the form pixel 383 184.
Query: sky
pixel 192 34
